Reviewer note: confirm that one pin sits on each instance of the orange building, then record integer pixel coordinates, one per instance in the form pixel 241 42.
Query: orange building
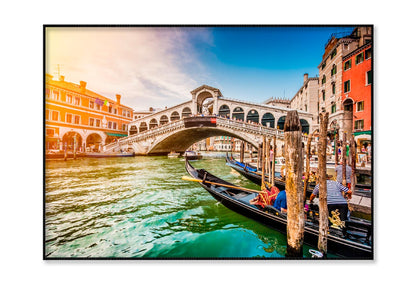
pixel 76 117
pixel 357 80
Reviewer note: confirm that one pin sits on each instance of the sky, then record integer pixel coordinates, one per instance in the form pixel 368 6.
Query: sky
pixel 159 66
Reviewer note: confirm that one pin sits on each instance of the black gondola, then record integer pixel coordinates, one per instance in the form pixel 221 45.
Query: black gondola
pixel 354 241
pixel 252 173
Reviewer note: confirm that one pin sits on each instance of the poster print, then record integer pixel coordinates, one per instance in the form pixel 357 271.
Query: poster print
pixel 180 142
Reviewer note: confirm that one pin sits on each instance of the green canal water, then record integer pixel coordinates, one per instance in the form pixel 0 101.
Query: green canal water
pixel 140 207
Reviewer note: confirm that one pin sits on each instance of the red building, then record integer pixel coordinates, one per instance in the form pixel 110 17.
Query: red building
pixel 357 80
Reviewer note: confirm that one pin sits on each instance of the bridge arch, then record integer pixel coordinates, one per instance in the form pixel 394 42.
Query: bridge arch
pixel 142 127
pixel 186 112
pixel 153 123
pixel 305 126
pixel 238 114
pixel 268 120
pixel 175 116
pixel 133 130
pixel 253 116
pixel 224 111
pixel 281 122
pixel 163 120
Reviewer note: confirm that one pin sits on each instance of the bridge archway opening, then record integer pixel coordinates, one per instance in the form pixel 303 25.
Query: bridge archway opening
pixel 153 123
pixel 186 112
pixel 281 122
pixel 268 120
pixel 253 116
pixel 305 126
pixel 174 116
pixel 133 130
pixel 142 127
pixel 204 102
pixel 164 120
pixel 224 111
pixel 238 113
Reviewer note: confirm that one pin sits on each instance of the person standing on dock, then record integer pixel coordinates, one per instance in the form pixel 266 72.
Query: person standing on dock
pixel 335 198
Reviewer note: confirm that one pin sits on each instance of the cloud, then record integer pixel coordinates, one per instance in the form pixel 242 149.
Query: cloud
pixel 148 66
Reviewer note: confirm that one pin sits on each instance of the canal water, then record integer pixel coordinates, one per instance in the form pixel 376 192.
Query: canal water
pixel 139 207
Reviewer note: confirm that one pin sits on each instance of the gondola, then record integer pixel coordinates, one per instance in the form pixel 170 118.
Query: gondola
pixel 354 241
pixel 252 173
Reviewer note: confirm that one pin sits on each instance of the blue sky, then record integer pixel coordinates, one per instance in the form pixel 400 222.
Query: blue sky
pixel 159 66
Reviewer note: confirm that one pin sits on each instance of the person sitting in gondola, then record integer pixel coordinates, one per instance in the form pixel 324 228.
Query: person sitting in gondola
pixel 265 197
pixel 335 198
pixel 280 202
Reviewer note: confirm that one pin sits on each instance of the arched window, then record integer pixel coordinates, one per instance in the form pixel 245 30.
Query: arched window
pixel 133 130
pixel 305 126
pixel 153 123
pixel 238 113
pixel 281 122
pixel 164 120
pixel 323 79
pixel 186 112
pixel 174 116
pixel 268 120
pixel 224 111
pixel 142 127
pixel 253 116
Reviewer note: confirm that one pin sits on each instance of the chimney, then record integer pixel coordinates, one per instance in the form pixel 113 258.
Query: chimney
pixel 118 96
pixel 61 78
pixel 305 77
pixel 82 84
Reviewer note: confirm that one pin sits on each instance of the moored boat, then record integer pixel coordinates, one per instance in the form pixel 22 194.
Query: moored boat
pixel 192 155
pixel 354 241
pixel 173 154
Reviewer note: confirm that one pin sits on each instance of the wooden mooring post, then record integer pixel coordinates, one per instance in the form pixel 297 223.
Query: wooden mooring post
pixel 263 161
pixel 323 208
pixel 294 188
pixel 274 161
pixel 353 163
pixel 344 160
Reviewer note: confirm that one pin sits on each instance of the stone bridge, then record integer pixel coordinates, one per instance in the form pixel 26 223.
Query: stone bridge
pixel 178 127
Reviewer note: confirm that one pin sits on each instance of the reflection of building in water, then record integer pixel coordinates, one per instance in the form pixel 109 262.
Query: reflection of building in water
pixel 80 118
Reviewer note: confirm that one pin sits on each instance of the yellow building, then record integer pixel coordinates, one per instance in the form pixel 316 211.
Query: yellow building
pixel 80 118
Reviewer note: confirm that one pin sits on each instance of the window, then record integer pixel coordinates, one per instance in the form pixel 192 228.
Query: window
pixel 128 114
pixel 368 53
pixel 110 109
pixel 333 108
pixel 97 106
pixel 91 122
pixel 323 65
pixel 333 70
pixel 124 127
pixel 115 125
pixel 69 118
pixel 69 98
pixel 97 123
pixel 124 113
pixel 369 77
pixel 109 124
pixel 359 124
pixel 55 94
pixel 360 106
pixel 347 86
pixel 323 95
pixel 47 93
pixel 91 104
pixel 347 65
pixel 359 58
pixel 47 114
pixel 55 115
pixel 115 111
pixel 333 53
pixel 76 100
pixel 323 79
pixel 333 88
pixel 77 119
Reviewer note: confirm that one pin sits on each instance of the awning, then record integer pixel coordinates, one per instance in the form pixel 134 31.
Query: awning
pixel 116 135
pixel 362 133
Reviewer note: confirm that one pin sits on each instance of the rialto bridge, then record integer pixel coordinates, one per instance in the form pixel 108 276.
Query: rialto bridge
pixel 207 114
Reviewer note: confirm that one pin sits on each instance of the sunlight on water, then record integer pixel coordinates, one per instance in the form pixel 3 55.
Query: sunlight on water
pixel 140 207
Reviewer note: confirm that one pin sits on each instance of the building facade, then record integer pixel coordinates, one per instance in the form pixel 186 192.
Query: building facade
pixel 76 117
pixel 331 74
pixel 357 91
